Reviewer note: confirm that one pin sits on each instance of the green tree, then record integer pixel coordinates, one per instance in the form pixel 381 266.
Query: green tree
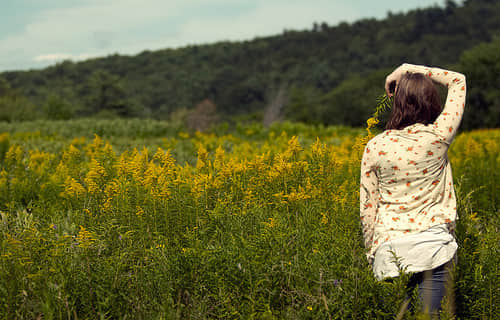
pixel 304 105
pixel 14 106
pixel 352 102
pixel 107 97
pixel 481 66
pixel 57 108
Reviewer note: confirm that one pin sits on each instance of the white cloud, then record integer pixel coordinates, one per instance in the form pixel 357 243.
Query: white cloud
pixel 54 57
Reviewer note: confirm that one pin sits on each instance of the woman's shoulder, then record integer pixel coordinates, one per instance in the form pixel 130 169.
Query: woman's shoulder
pixel 412 129
pixel 414 132
pixel 376 141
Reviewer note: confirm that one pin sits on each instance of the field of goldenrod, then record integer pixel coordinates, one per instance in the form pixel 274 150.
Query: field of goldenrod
pixel 145 221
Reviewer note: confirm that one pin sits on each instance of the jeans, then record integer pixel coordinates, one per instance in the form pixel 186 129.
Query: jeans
pixel 432 287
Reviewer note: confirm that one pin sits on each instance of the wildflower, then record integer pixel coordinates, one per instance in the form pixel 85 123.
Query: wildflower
pixel 112 189
pixel 139 211
pixel 14 156
pixel 219 156
pixel 271 223
pixel 372 122
pixel 202 157
pixel 95 176
pixel 183 135
pixel 93 149
pixel 72 188
pixel 473 216
pixel 164 157
pixel 71 155
pixel 318 148
pixel 293 146
pixel 84 239
pixel 3 179
pixel 297 195
pixel 78 140
pixel 324 219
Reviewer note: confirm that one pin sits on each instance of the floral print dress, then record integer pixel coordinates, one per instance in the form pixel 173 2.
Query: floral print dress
pixel 406 182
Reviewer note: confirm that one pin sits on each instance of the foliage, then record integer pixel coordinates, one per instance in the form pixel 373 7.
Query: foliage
pixel 329 72
pixel 481 64
pixel 247 222
pixel 14 106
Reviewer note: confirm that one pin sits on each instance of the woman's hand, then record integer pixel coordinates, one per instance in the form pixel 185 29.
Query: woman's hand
pixel 392 80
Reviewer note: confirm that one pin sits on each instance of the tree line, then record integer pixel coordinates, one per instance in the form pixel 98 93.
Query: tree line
pixel 325 75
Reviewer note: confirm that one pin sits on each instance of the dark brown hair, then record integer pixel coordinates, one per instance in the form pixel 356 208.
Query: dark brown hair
pixel 416 100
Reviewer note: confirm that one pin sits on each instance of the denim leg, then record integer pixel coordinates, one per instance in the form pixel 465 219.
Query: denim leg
pixel 431 287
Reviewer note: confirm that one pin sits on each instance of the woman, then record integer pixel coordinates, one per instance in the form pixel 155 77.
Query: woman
pixel 407 200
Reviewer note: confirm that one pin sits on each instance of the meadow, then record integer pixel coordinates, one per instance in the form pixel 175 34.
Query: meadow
pixel 139 219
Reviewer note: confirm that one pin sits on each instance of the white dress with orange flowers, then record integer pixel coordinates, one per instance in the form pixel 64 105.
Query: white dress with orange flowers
pixel 406 180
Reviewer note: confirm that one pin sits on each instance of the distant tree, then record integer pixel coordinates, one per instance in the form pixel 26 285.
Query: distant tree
pixel 304 104
pixel 5 88
pixel 481 66
pixel 451 5
pixel 56 108
pixel 352 102
pixel 14 106
pixel 108 96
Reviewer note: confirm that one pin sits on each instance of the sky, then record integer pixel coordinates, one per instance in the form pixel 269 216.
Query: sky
pixel 38 33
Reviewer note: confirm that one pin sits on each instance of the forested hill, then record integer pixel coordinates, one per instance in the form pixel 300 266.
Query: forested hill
pixel 301 75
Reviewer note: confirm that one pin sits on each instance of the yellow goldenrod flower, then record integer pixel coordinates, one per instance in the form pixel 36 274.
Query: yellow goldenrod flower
pixel 324 219
pixel 473 216
pixel 202 157
pixel 139 211
pixel 84 238
pixel 372 122
pixel 271 223
pixel 95 176
pixel 72 188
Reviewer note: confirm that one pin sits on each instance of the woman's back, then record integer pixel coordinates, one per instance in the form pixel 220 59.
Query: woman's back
pixel 414 181
pixel 406 180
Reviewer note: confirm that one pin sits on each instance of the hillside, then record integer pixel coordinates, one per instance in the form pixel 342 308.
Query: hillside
pixel 295 72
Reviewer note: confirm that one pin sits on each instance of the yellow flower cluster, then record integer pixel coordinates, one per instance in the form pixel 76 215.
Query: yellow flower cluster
pixel 282 175
pixel 85 238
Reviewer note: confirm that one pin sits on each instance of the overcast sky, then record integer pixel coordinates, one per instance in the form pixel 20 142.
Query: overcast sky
pixel 38 33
